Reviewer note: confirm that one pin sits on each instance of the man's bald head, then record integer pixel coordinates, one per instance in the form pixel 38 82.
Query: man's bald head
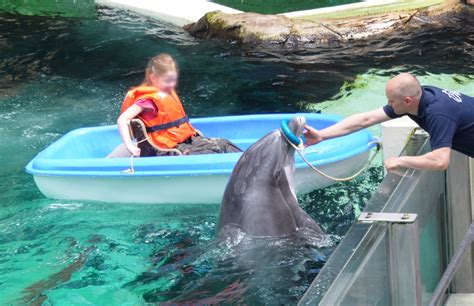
pixel 403 93
pixel 403 85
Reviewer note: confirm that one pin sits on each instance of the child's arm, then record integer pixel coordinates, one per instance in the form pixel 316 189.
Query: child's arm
pixel 122 123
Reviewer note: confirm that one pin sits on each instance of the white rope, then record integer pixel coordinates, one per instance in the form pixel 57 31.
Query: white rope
pixel 299 149
pixel 130 170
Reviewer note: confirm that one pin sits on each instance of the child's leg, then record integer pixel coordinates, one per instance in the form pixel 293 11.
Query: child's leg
pixel 203 145
pixel 119 152
pixel 226 146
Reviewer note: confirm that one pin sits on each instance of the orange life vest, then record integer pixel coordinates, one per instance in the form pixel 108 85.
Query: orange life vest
pixel 171 125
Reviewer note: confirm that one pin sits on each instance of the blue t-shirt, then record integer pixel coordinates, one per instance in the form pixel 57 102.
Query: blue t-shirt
pixel 448 116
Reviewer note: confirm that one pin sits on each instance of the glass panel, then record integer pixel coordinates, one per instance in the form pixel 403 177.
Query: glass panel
pixel 404 258
pixel 366 281
pixel 380 264
pixel 432 252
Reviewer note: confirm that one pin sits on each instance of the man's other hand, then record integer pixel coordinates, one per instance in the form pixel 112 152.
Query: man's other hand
pixel 392 164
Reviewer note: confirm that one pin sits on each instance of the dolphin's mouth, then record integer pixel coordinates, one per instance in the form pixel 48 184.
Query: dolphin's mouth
pixel 297 125
pixel 292 131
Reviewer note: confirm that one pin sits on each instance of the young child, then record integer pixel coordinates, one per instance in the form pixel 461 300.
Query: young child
pixel 155 102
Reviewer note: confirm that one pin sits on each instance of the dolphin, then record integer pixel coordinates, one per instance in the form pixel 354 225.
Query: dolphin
pixel 260 197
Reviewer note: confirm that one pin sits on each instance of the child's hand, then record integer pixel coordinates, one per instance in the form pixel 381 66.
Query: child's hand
pixel 134 150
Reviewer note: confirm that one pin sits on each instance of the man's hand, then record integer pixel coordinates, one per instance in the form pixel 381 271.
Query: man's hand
pixel 436 160
pixel 392 164
pixel 312 136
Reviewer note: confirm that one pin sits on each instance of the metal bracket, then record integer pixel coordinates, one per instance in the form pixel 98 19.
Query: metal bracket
pixel 420 131
pixel 371 217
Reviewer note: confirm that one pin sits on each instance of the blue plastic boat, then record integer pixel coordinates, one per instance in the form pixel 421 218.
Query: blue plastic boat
pixel 75 167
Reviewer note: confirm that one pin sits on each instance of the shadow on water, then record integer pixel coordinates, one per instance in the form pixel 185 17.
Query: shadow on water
pixel 57 74
pixel 245 270
pixel 35 293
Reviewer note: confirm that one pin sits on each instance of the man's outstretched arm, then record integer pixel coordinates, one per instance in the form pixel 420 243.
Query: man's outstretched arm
pixel 346 126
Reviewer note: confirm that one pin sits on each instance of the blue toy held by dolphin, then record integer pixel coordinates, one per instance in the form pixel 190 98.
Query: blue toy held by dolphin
pixel 260 197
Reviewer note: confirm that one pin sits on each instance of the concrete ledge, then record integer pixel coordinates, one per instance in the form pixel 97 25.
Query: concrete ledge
pixel 338 8
pixel 361 9
pixel 460 299
pixel 176 12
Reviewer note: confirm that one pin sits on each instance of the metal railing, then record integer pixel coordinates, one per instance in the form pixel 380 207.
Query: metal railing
pixel 454 264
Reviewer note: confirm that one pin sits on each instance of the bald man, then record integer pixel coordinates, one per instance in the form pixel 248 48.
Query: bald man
pixel 448 116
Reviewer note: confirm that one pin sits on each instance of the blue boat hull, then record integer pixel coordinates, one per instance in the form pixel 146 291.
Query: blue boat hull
pixel 75 167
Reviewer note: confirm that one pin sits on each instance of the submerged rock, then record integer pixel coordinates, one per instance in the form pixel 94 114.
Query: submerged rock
pixel 257 28
pixel 253 28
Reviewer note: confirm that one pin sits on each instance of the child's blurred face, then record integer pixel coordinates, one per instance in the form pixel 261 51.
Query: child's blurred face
pixel 165 82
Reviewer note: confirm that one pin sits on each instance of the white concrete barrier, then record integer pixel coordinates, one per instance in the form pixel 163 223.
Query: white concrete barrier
pixel 395 135
pixel 176 12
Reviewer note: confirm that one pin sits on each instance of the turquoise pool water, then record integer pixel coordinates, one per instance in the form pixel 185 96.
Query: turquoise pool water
pixel 280 6
pixel 58 74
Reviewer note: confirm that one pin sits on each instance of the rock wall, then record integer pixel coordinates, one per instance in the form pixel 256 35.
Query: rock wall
pixel 277 30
